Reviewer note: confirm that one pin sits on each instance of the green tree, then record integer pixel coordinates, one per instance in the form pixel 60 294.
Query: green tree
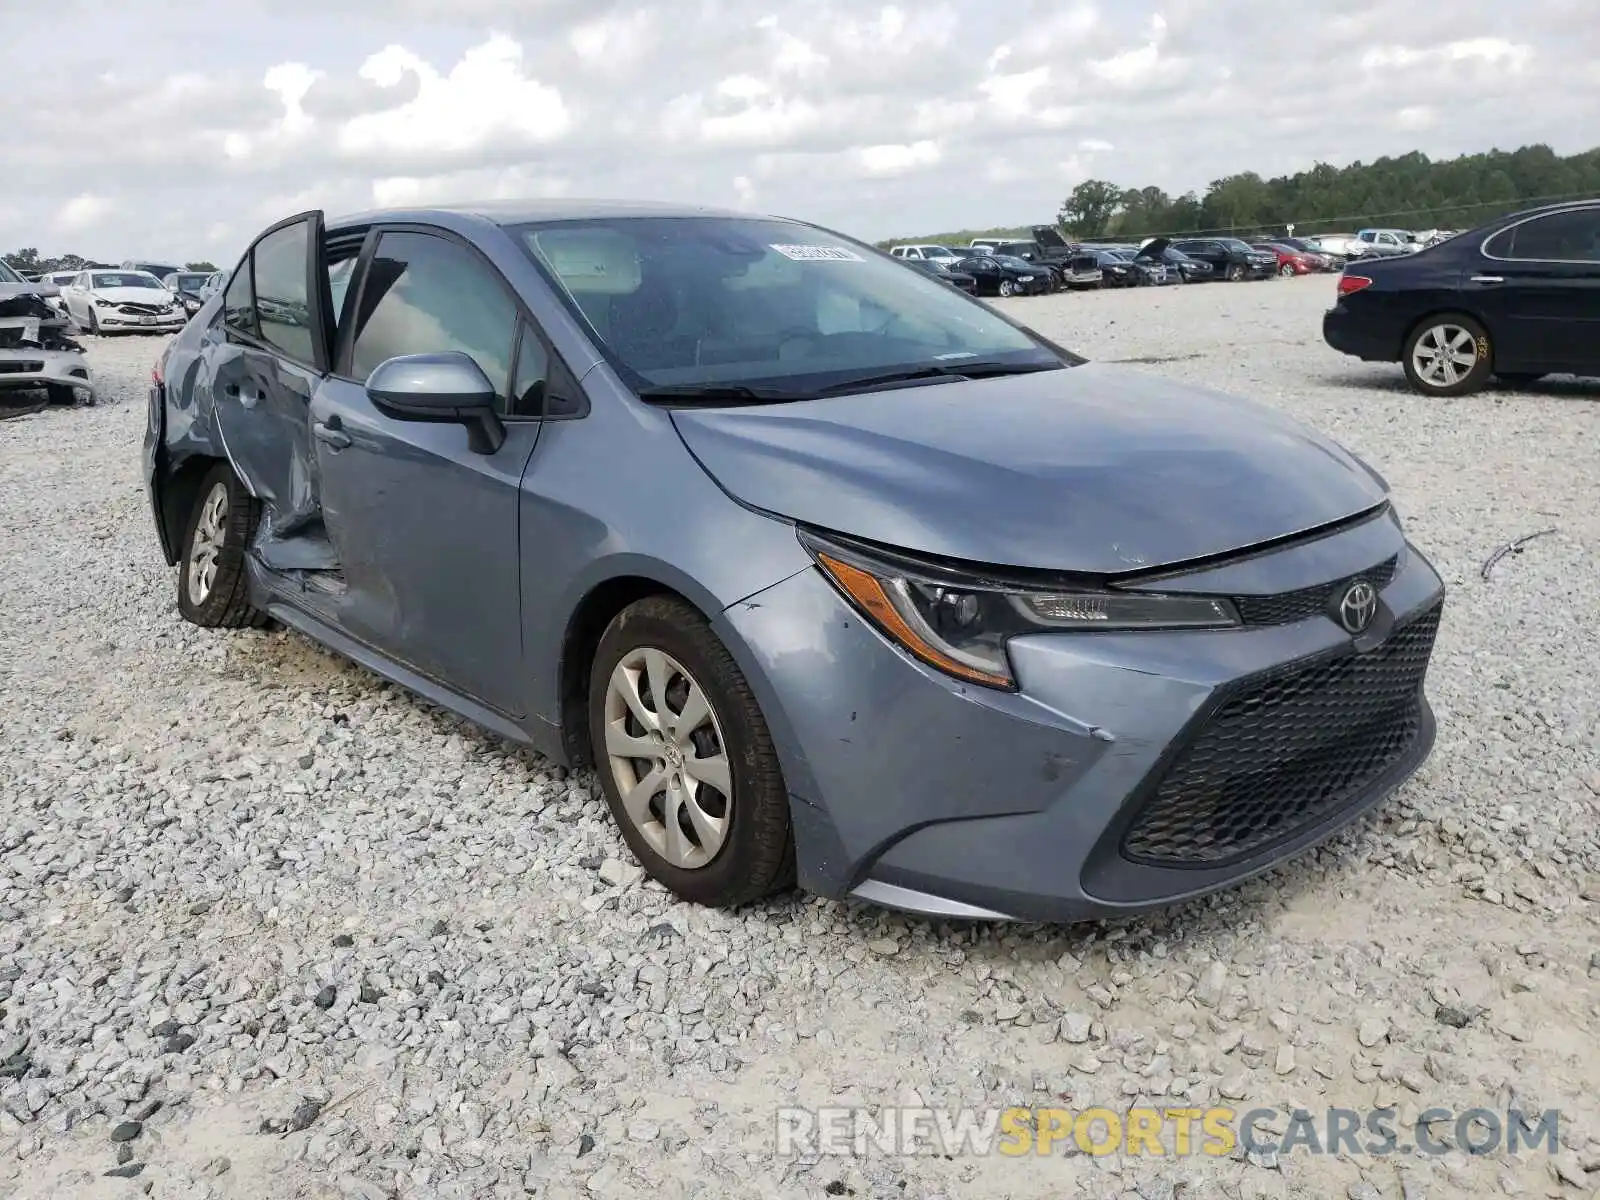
pixel 200 266
pixel 1088 211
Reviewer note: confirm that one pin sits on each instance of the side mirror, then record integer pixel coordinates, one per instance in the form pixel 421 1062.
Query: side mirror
pixel 447 387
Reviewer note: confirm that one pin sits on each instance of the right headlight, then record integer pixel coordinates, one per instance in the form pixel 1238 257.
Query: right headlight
pixel 961 624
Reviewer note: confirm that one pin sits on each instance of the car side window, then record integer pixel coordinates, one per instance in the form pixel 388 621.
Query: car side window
pixel 532 376
pixel 283 308
pixel 1572 236
pixel 239 304
pixel 424 294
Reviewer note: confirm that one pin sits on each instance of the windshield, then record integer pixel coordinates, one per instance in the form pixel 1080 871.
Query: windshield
pixel 940 252
pixel 732 301
pixel 124 279
pixel 190 283
pixel 7 275
pixel 1236 244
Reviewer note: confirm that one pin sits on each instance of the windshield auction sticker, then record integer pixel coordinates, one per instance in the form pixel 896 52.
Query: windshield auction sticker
pixel 819 253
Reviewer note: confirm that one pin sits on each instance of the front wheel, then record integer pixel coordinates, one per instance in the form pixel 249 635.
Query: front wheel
pixel 1286 270
pixel 212 588
pixel 1007 288
pixel 1235 272
pixel 685 758
pixel 1448 355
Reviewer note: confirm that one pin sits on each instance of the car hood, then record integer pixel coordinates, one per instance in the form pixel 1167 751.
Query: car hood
pixel 134 295
pixel 1050 238
pixel 1154 248
pixel 1096 469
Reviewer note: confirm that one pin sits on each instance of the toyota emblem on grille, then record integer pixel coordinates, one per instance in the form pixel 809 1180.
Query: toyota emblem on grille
pixel 1358 606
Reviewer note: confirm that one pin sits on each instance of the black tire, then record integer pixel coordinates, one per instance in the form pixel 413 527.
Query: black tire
pixel 94 323
pixel 1520 378
pixel 1235 272
pixel 756 857
pixel 1006 288
pixel 61 393
pixel 225 604
pixel 1286 271
pixel 1435 328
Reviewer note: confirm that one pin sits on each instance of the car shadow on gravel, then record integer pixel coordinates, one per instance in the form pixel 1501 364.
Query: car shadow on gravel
pixel 1392 380
pixel 280 659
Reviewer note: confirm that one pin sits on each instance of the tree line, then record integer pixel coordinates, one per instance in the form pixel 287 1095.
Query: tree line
pixel 29 261
pixel 1411 191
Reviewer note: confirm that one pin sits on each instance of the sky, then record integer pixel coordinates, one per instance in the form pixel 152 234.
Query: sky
pixel 145 130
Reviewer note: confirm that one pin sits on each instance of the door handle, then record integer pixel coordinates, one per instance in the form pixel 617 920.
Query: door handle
pixel 1488 279
pixel 331 432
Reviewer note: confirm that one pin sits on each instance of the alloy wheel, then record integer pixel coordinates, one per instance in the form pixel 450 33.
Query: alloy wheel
pixel 1286 270
pixel 209 533
pixel 1444 355
pixel 667 756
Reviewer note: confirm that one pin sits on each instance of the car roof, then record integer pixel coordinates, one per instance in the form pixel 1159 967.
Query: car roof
pixel 517 212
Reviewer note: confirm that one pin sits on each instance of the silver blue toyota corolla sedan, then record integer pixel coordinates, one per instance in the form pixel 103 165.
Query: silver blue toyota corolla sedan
pixel 834 574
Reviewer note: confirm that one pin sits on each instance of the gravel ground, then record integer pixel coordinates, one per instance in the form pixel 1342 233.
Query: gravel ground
pixel 244 883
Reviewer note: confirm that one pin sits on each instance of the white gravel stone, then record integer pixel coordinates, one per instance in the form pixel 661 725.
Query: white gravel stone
pixel 189 819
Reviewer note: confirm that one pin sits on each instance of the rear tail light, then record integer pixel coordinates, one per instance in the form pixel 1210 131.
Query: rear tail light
pixel 1350 284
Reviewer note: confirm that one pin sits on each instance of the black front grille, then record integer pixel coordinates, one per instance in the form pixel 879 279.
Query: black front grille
pixel 21 368
pixel 1308 602
pixel 143 310
pixel 1286 749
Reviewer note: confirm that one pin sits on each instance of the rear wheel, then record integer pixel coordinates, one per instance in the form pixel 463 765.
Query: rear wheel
pixel 685 758
pixel 1448 355
pixel 212 589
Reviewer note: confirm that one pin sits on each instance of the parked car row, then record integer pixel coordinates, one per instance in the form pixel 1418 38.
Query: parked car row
pixel 1048 262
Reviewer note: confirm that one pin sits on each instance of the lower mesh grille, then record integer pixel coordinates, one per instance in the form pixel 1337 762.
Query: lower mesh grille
pixel 1286 749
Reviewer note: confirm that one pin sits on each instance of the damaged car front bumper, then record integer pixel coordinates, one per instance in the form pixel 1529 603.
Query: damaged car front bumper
pixel 1128 770
pixel 35 351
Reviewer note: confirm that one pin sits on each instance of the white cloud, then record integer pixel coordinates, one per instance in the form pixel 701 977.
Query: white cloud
pixel 899 159
pixel 458 187
pixel 483 97
pixel 1416 117
pixel 1141 66
pixel 81 212
pixel 1493 51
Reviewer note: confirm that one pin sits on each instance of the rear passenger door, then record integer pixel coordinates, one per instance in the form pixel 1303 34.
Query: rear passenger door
pixel 426 526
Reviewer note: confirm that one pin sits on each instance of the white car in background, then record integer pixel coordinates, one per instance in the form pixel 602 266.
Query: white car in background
pixel 122 302
pixel 58 279
pixel 928 253
pixel 214 284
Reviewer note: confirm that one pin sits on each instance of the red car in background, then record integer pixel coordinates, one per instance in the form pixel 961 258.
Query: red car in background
pixel 1294 262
